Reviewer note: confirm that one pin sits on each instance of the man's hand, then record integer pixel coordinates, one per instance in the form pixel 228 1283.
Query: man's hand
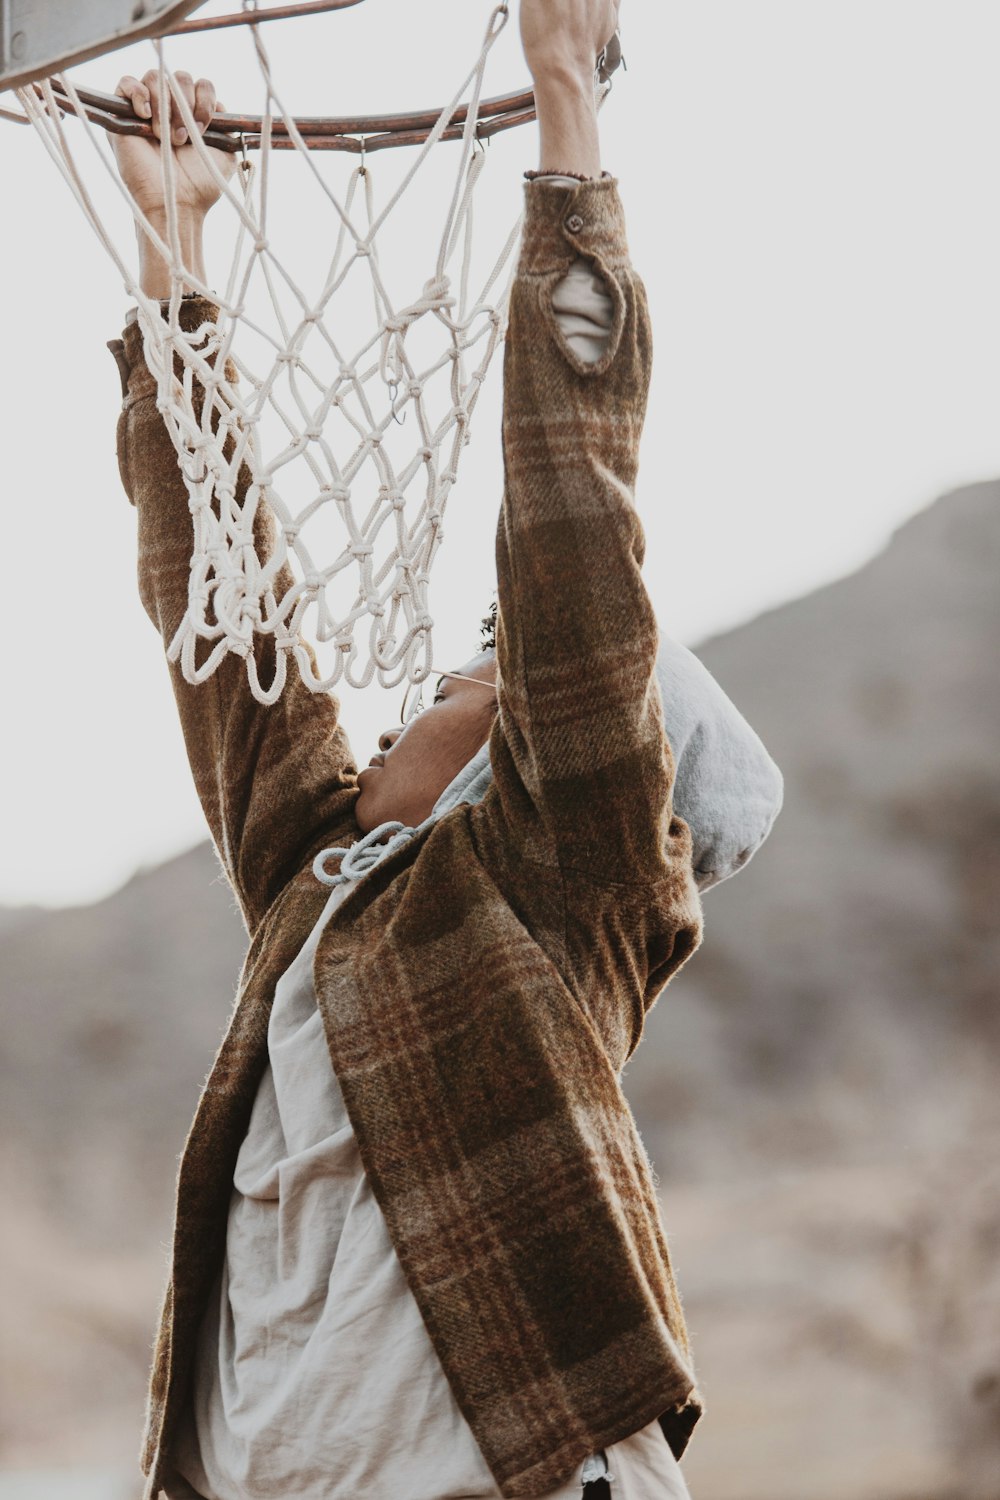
pixel 562 40
pixel 565 37
pixel 138 159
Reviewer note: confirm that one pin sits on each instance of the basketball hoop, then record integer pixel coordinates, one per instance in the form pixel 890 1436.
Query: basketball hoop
pixel 319 425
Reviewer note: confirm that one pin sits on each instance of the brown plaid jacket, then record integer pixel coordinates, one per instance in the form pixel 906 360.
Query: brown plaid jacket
pixel 482 988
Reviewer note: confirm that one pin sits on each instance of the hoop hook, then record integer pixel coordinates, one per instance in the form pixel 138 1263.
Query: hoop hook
pixel 611 59
pixel 393 392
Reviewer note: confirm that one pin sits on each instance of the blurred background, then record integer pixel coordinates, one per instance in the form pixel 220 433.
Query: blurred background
pixel 811 193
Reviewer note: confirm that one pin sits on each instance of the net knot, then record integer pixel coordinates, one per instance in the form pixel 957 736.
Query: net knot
pixel 267 433
pixel 437 292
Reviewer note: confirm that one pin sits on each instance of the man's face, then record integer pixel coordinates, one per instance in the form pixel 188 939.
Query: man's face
pixel 415 764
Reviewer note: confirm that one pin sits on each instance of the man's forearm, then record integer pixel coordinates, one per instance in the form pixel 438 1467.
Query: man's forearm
pixel 154 271
pixel 567 119
pixel 271 810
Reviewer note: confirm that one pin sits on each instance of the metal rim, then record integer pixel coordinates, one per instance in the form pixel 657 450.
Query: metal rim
pixel 355 133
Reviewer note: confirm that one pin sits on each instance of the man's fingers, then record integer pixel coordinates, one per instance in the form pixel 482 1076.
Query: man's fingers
pixel 204 101
pixel 151 83
pixel 136 94
pixel 184 84
pixel 144 96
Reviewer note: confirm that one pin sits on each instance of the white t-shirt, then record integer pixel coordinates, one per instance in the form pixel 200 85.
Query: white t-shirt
pixel 315 1376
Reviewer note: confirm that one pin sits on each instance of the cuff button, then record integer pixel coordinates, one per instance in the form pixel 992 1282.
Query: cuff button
pixel 574 223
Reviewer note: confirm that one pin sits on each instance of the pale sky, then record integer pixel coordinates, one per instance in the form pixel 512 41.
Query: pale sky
pixel 811 194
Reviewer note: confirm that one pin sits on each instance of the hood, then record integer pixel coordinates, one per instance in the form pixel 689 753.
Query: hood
pixel 727 788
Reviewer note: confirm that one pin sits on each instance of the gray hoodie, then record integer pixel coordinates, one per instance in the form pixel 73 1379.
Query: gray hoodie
pixel 727 788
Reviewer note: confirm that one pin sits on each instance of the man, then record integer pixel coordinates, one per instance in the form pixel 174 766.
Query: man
pixel 436 1269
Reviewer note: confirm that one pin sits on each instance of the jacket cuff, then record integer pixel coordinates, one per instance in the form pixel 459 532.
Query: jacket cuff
pixel 562 222
pixel 137 381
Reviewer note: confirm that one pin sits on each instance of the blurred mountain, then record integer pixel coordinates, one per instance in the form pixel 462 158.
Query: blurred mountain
pixel 851 975
pixel 112 1014
pixel 819 1090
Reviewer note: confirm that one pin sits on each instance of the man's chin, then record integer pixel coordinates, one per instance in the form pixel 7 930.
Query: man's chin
pixel 366 809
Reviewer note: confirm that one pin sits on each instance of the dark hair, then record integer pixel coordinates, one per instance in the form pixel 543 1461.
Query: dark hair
pixel 488 629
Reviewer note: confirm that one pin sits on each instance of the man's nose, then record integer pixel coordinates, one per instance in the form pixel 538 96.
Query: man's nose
pixel 388 738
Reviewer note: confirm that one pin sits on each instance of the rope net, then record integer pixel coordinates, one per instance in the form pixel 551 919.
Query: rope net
pixel 355 448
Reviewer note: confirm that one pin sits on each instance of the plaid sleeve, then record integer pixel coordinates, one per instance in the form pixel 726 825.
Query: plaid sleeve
pixel 580 755
pixel 274 782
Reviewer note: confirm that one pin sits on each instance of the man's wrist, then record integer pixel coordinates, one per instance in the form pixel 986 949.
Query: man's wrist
pixel 567 125
pixel 561 53
pixel 561 79
pixel 190 227
pixel 154 271
pixel 185 215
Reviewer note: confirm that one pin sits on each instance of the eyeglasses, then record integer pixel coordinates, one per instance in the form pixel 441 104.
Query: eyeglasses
pixel 413 703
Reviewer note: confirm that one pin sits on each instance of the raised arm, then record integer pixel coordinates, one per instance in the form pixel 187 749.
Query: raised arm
pixel 276 783
pixel 581 718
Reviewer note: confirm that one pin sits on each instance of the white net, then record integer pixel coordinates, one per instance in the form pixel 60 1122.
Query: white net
pixel 352 438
